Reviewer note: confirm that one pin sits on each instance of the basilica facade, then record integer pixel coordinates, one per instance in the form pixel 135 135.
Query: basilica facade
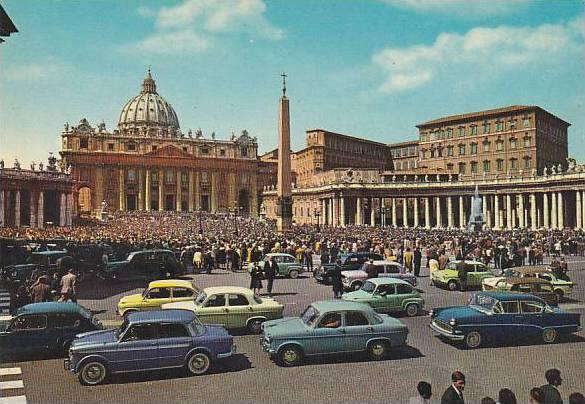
pixel 148 164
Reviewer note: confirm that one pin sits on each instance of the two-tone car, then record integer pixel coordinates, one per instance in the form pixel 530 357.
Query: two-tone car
pixel 353 280
pixel 288 265
pixel 503 315
pixel 349 262
pixel 156 294
pixel 149 340
pixel 561 287
pixel 535 286
pixel 449 277
pixel 233 307
pixel 146 264
pixel 44 328
pixel 388 295
pixel 332 327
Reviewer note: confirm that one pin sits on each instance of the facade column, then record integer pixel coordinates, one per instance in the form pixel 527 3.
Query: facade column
pixel 33 210
pixel 358 211
pixel 583 209
pixel 554 213
pixel 427 213
pixel 394 222
pixel 405 213
pixel 147 187
pixel 416 219
pixel 533 213
pixel 254 209
pixel 17 209
pixel 214 195
pixel 461 213
pixel 334 211
pixel 190 191
pixel 578 210
pixel 383 212
pixel 178 191
pixel 62 202
pixel 2 217
pixel 509 224
pixel 545 211
pixel 496 212
pixel 329 212
pixel 372 213
pixel 323 211
pixel 41 210
pixel 438 212
pixel 342 210
pixel 450 216
pixel 122 196
pixel 197 190
pixel 161 190
pixel 484 211
pixel 231 188
pixel 140 205
pixel 69 213
pixel 561 208
pixel 99 188
pixel 520 210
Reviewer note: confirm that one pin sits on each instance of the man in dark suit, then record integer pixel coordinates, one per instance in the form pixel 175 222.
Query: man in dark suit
pixel 417 261
pixel 551 393
pixel 454 393
pixel 270 271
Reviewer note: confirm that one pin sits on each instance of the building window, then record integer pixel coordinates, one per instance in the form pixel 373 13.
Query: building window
pixel 462 150
pixel 154 176
pixel 513 163
pixel 474 167
pixel 449 133
pixel 486 147
pixel 244 151
pixel 432 136
pixel 423 137
pixel 450 166
pixel 83 143
pixel 185 149
pixel 526 122
pixel 499 126
pixel 110 147
pixel 474 148
pixel 512 123
pixel 205 150
pixel 526 142
pixel 204 176
pixel 439 151
pixel 500 164
pixel 513 143
pixel 154 147
pixel 222 152
pixel 499 145
pixel 184 178
pixel 423 154
pixel 169 177
pixel 131 175
pixel 487 166
pixel 449 151
pixel 486 127
pixel 398 166
pixel 131 146
pixel 474 129
pixel 527 162
pixel 461 131
pixel 461 168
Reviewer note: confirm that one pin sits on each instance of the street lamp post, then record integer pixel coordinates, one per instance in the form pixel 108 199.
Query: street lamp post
pixel 317 213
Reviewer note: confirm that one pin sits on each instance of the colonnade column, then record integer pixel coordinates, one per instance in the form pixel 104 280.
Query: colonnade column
pixel 358 211
pixel 438 212
pixel 497 212
pixel 62 203
pixel 147 191
pixel 17 209
pixel 330 212
pixel 554 213
pixel 69 212
pixel 450 216
pixel 32 213
pixel 578 210
pixel 561 208
pixel 520 210
pixel 178 193
pixel 372 213
pixel 140 190
pixel 335 211
pixel 121 189
pixel 416 221
pixel 533 214
pixel 161 190
pixel 461 213
pixel 427 213
pixel 394 221
pixel 342 211
pixel 583 209
pixel 214 195
pixel 405 213
pixel 383 211
pixel 190 192
pixel 2 218
pixel 323 212
pixel 485 212
pixel 509 224
pixel 41 210
pixel 545 211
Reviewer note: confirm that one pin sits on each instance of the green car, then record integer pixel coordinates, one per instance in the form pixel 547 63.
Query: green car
pixel 388 295
pixel 332 327
pixel 449 277
pixel 287 265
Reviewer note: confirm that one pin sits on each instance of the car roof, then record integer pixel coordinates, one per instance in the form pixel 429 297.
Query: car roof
pixel 50 252
pixel 511 296
pixel 151 251
pixel 165 283
pixel 387 281
pixel 515 281
pixel 532 270
pixel 474 262
pixel 50 307
pixel 169 315
pixel 214 290
pixel 386 262
pixel 336 305
pixel 279 254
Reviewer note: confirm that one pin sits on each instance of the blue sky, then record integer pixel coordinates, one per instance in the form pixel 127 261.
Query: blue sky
pixel 372 69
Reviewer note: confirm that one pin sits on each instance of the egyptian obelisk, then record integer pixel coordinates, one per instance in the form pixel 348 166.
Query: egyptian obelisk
pixel 284 199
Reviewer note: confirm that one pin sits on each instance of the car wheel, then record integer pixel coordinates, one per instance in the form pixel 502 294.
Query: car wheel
pixel 473 339
pixel 92 373
pixel 452 285
pixel 198 363
pixel 289 356
pixel 549 335
pixel 294 274
pixel 255 326
pixel 356 286
pixel 377 350
pixel 411 309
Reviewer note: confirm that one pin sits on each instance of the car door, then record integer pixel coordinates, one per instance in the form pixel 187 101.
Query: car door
pixel 328 336
pixel 155 298
pixel 138 348
pixel 182 294
pixel 26 334
pixel 390 271
pixel 532 317
pixel 238 310
pixel 509 320
pixel 402 292
pixel 62 328
pixel 358 331
pixel 383 298
pixel 213 310
pixel 174 342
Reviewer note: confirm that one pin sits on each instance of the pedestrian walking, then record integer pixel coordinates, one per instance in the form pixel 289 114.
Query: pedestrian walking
pixel 256 278
pixel 336 281
pixel 41 292
pixel 270 271
pixel 408 259
pixel 550 390
pixel 417 258
pixel 68 287
pixel 454 393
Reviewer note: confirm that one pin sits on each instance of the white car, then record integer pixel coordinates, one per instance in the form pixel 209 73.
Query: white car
pixel 353 280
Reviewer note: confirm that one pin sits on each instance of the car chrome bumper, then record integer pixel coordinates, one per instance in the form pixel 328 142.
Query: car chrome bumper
pixel 68 365
pixel 266 347
pixel 446 334
pixel 227 354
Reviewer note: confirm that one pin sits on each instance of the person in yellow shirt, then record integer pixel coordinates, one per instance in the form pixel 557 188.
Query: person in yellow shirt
pixel 408 256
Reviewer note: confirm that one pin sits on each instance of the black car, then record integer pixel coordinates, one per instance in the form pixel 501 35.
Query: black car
pixel 146 264
pixel 349 262
pixel 38 263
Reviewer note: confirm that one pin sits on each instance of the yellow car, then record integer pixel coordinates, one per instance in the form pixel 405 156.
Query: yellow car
pixel 156 294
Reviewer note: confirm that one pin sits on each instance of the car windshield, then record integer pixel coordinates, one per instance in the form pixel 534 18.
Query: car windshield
pixel 122 329
pixel 196 327
pixel 482 302
pixel 309 316
pixel 85 312
pixel 200 299
pixel 368 287
pixel 452 265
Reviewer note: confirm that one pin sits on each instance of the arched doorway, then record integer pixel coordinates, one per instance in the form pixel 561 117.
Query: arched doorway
pixel 244 202
pixel 84 201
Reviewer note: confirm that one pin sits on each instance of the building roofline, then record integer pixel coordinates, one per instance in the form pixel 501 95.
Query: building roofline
pixel 405 143
pixel 346 136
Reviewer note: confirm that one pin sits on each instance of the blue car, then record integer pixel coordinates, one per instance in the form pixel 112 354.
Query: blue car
pixel 499 315
pixel 44 328
pixel 149 340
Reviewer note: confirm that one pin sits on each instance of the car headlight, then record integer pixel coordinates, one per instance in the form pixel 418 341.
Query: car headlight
pixel 431 313
pixel 14 274
pixel 452 322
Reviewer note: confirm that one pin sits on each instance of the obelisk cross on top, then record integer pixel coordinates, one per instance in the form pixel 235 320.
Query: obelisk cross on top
pixel 284 178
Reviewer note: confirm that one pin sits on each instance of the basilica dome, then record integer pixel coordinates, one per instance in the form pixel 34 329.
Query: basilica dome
pixel 148 112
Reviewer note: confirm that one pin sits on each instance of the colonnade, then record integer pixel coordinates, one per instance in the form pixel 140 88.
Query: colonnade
pixel 15 203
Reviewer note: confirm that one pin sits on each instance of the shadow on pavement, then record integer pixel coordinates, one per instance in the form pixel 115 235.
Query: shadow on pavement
pixel 279 294
pixel 565 339
pixel 405 352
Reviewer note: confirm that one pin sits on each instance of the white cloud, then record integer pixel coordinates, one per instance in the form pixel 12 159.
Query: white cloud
pixel 462 8
pixel 480 50
pixel 193 24
pixel 36 71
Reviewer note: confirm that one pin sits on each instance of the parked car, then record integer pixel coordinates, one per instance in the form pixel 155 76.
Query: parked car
pixel 287 265
pixel 330 327
pixel 499 315
pixel 156 294
pixel 353 280
pixel 538 287
pixel 449 277
pixel 37 264
pixel 388 295
pixel 149 340
pixel 349 262
pixel 561 287
pixel 44 328
pixel 147 264
pixel 232 307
